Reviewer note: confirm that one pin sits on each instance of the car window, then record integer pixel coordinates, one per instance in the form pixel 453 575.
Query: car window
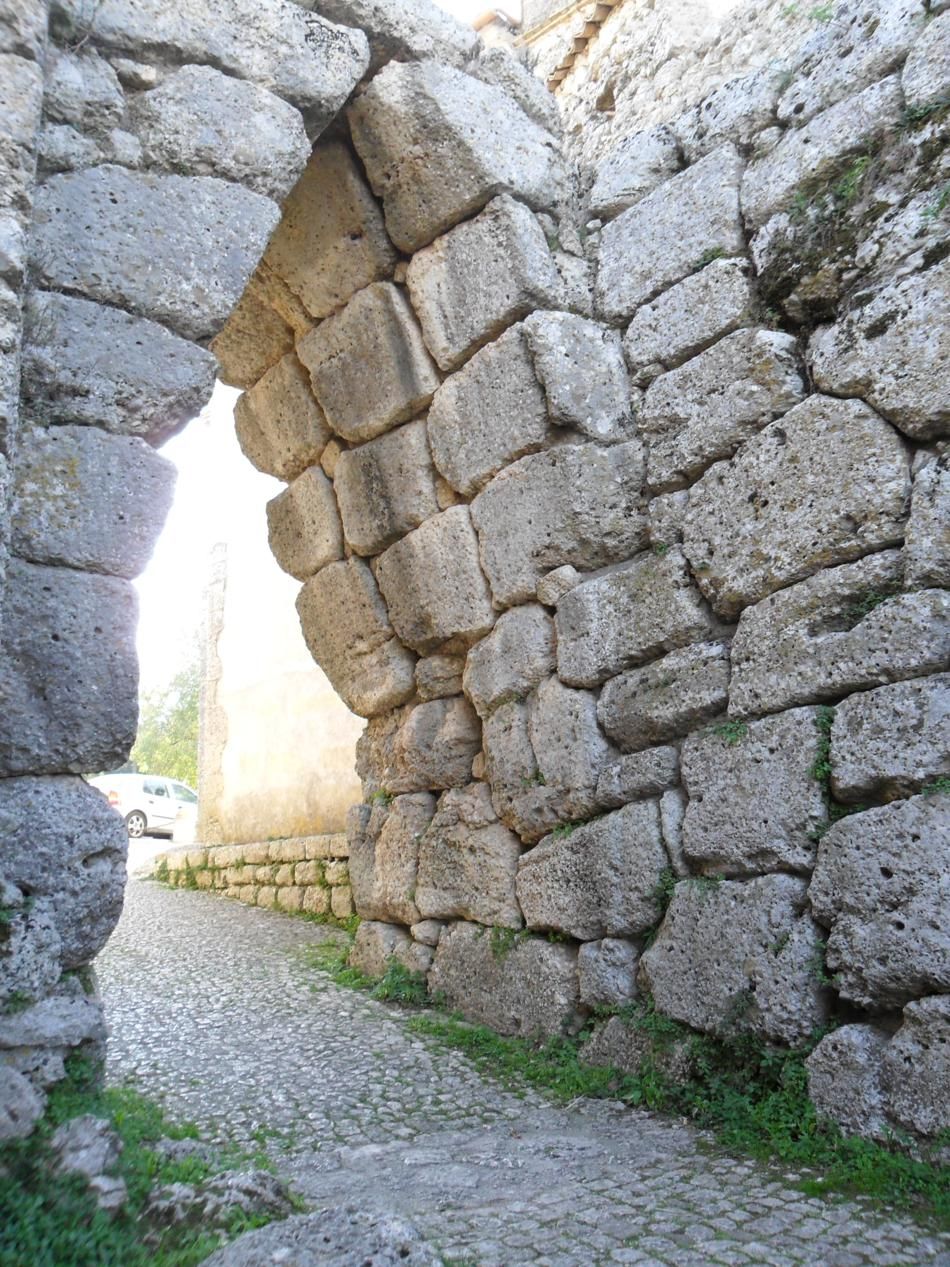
pixel 150 787
pixel 182 793
pixel 160 788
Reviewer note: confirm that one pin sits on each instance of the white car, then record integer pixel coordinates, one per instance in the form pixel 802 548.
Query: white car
pixel 149 803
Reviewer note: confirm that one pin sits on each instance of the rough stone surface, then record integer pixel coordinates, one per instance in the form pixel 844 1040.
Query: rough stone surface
pixel 926 75
pixel 827 483
pixel 667 698
pixel 419 129
pixel 431 745
pixel 468 861
pixel 520 793
pixel 385 488
pixel 638 164
pixel 638 775
pixel 502 67
pixel 627 1047
pixel 843 630
pixel 85 1145
pixel 740 110
pixel 82 88
pixel 580 365
pixel 404 32
pixel 303 525
pixel 669 233
pixel 488 414
pixel 576 504
pixel 703 411
pixel 516 656
pixel 118 237
pixel 20 1105
pixel 552 587
pixel 252 340
pixel 384 861
pixel 880 886
pixel 375 328
pixel 927 539
pixel 347 630
pixel 844 1079
pixel 631 614
pixel 893 741
pixel 571 752
pixel 489 988
pixel 600 880
pixel 343 1235
pixel 606 972
pixel 280 426
pixel 90 364
pixel 891 352
pixel 439 675
pixel 377 945
pixel 434 586
pixel 755 971
pixel 475 281
pixel 916 1068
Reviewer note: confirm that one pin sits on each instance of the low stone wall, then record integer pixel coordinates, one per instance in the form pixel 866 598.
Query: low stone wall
pixel 305 875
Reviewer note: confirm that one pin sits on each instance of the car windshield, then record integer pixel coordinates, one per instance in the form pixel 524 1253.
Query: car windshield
pixel 183 793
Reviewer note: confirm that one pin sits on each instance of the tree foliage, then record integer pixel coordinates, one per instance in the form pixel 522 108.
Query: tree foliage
pixel 167 740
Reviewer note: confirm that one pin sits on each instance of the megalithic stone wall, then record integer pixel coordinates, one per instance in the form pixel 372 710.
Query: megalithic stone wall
pixel 627 535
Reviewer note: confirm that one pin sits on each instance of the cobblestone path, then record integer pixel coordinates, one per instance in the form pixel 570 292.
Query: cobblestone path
pixel 212 1006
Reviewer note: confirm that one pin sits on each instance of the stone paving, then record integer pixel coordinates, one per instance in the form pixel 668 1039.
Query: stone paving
pixel 214 1008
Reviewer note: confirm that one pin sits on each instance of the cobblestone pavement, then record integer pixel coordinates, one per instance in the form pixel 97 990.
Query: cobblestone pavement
pixel 213 1007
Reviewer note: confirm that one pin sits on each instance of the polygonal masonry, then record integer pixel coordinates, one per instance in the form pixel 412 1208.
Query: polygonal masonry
pixel 638 775
pixel 844 1079
pixel 384 859
pixel 303 525
pixel 915 1069
pixel 927 539
pixel 514 658
pixel 429 745
pixel 403 32
pixel 635 166
pixel 520 794
pixel 251 341
pixel 570 750
pixel 280 427
pixel 607 972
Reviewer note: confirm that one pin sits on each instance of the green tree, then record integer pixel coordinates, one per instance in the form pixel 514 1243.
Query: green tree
pixel 167 740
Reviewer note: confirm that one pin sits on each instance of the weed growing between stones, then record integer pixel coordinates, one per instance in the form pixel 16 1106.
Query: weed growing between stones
pixel 397 985
pixel 733 732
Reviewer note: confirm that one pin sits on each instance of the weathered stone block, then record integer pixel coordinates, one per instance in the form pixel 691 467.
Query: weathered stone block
pixel 504 68
pixel 303 525
pixel 280 427
pixel 386 488
pixel 631 614
pixel 474 282
pixel 347 630
pixel 316 901
pixel 376 328
pixel 737 111
pixel 916 1068
pixel 844 1079
pixel 619 1043
pixel 670 232
pixel 581 367
pixel 837 632
pixel 341 905
pixel 703 411
pixel 488 414
pixel 892 352
pixel 599 880
pixel 693 314
pixel 552 587
pixel 439 675
pixel 85 363
pixel 384 861
pixel 668 698
pixel 431 745
pixel 82 89
pixel 607 972
pixel 571 751
pixel 529 991
pixel 468 861
pixel 514 658
pixel 432 582
pixel 632 169
pixel 20 1105
pixel 64 1020
pixel 638 775
pixel 31 948
pixel 927 539
pixel 251 341
pixel 119 237
pixel 926 75
pixel 88 500
pixel 827 483
pixel 209 124
pixel 892 741
pixel 577 504
pixel 755 972
pixel 405 32
pixel 754 802
pixel 419 129
pixel 880 886
pixel 377 945
pixel 520 794
pixel 68 673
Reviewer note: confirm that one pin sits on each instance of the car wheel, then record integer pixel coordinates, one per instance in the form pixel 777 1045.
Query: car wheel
pixel 135 823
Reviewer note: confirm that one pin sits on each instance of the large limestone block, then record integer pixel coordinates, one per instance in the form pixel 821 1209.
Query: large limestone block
pixel 926 75
pixel 208 124
pixel 927 540
pixel 386 488
pixel 63 841
pixel 378 945
pixel 808 157
pixel 755 804
pixel 638 775
pixel 489 413
pixel 671 232
pixel 737 111
pixel 599 880
pixel 280 427
pixel 331 241
pixel 581 367
pixel 475 281
pixel 827 483
pixel 66 1019
pixel 844 1079
pixel 520 794
pixel 120 237
pixel 571 751
pixel 607 972
pixel 702 411
pixel 837 632
pixel 893 352
pixel 384 862
pixel 347 631
pixel 631 614
pixel 88 500
pixel 892 741
pixel 576 504
pixel 251 341
pixel 632 169
pixel 406 32
pixel 468 861
pixel 82 89
pixel 621 1043
pixel 667 698
pixel 514 658
pixel 274 43
pixel 738 956
pixel 95 365
pixel 68 672
pixel 303 525
pixel 439 675
pixel 529 990
pixel 916 1068
pixel 31 948
pixel 431 745
pixel 693 314
pixel 20 1105
pixel 420 130
pixel 435 589
pixel 368 364
pixel 882 886
pixel 503 66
